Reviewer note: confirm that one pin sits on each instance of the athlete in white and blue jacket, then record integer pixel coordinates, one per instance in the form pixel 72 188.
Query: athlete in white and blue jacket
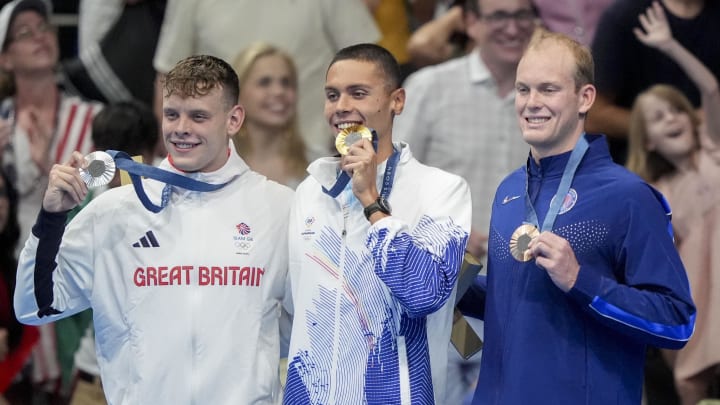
pixel 372 285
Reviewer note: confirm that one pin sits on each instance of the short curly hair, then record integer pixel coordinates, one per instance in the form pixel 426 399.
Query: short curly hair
pixel 198 75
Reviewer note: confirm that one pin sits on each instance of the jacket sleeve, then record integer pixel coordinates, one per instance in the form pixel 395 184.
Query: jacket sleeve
pixel 649 297
pixel 51 286
pixel 420 266
pixel 473 302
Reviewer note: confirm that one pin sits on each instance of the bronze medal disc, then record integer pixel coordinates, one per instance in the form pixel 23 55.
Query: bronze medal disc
pixel 519 242
pixel 349 136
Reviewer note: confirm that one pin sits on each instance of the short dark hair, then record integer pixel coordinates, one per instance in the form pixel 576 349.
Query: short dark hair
pixel 128 126
pixel 198 75
pixel 381 57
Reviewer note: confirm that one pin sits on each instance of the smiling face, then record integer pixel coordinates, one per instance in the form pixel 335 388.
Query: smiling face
pixel 501 38
pixel 357 92
pixel 197 129
pixel 32 44
pixel 669 129
pixel 548 103
pixel 269 93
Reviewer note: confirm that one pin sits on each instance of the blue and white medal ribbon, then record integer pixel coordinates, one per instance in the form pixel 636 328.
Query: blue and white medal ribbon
pixel 522 236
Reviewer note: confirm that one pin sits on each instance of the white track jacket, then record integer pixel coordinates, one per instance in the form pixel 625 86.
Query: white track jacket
pixel 186 301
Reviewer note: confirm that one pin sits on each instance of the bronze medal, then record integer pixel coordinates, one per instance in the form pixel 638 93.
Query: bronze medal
pixel 349 136
pixel 519 242
pixel 99 169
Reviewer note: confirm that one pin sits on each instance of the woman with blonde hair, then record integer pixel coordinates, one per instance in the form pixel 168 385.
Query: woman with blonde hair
pixel 269 140
pixel 675 150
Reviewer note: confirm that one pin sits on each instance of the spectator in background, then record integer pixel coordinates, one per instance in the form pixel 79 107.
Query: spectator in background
pixel 625 67
pixel 311 31
pixel 460 117
pixel 442 38
pixel 669 148
pixel 47 123
pixel 269 140
pixel 116 41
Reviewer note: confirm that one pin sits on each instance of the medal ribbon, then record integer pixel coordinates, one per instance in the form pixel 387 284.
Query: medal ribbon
pixel 137 170
pixel 568 174
pixel 343 178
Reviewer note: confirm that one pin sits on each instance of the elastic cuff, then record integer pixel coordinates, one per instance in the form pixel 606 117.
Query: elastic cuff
pixel 49 223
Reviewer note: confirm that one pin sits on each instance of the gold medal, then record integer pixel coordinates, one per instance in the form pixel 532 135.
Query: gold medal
pixel 349 136
pixel 519 242
pixel 99 169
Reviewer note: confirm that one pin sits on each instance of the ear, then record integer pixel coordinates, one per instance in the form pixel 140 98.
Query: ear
pixel 587 98
pixel 235 119
pixel 397 100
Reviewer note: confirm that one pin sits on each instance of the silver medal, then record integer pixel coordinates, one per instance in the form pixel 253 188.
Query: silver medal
pixel 99 169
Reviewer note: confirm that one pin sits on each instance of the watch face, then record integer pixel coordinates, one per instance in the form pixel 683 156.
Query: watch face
pixel 384 205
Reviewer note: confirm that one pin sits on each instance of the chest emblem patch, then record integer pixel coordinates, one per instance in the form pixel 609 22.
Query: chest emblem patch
pixel 569 201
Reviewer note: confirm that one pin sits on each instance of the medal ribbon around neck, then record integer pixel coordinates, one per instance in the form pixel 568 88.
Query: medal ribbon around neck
pixel 343 178
pixel 137 170
pixel 529 229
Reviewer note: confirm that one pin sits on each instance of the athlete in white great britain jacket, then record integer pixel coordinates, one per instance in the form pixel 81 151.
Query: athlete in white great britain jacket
pixel 186 301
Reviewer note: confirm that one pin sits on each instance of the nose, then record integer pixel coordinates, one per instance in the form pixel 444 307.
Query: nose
pixel 512 26
pixel 183 126
pixel 343 104
pixel 532 100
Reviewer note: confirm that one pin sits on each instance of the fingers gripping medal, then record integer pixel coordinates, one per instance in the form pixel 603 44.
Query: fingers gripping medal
pixel 99 169
pixel 350 135
pixel 519 242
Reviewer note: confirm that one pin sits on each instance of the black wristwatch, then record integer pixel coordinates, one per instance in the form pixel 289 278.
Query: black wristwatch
pixel 381 204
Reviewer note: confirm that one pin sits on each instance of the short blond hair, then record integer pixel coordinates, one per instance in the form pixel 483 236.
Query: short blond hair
pixel 584 63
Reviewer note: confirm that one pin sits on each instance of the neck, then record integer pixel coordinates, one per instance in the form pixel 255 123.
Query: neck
pixel 503 75
pixel 385 148
pixel 38 91
pixel 686 163
pixel 554 150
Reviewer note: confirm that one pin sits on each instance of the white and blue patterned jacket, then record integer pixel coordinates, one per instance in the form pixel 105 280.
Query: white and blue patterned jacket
pixel 373 305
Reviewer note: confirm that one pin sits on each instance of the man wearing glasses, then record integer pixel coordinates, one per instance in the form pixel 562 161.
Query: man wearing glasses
pixel 459 116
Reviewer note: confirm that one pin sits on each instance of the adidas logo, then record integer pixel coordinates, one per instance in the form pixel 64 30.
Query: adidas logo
pixel 148 240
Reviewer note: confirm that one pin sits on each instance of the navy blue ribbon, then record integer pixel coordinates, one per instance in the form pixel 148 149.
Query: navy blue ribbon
pixel 568 174
pixel 138 170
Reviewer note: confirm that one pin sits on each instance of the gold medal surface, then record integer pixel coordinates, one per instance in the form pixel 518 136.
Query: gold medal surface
pixel 99 169
pixel 519 242
pixel 349 136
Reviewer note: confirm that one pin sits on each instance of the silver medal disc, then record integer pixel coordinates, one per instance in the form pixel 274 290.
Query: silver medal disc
pixel 99 169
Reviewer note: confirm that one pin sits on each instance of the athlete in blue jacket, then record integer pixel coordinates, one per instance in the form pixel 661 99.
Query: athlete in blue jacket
pixel 576 289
